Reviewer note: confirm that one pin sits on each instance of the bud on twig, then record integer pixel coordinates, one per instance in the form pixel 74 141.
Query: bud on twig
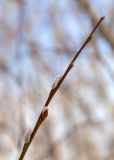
pixel 58 78
pixel 45 108
pixel 45 112
pixel 28 135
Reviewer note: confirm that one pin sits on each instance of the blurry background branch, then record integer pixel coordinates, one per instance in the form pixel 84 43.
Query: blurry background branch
pixel 106 30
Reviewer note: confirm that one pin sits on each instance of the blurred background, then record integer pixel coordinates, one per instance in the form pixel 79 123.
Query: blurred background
pixel 38 39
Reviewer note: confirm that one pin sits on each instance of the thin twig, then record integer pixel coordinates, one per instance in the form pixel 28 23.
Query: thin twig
pixel 44 113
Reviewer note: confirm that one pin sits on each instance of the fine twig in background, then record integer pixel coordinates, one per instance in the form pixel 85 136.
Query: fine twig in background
pixel 44 112
pixel 105 30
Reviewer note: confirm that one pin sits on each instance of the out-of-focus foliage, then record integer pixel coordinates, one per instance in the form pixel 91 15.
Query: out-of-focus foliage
pixel 38 38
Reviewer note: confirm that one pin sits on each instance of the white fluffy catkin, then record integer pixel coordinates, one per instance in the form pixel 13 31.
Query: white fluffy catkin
pixel 28 135
pixel 58 78
pixel 46 108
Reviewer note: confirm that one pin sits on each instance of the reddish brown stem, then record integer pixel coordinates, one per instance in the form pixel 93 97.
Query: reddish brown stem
pixel 44 114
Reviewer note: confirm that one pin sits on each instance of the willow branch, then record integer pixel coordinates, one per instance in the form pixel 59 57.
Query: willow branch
pixel 44 112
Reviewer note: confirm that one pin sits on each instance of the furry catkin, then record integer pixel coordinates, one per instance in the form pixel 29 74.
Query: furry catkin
pixel 58 78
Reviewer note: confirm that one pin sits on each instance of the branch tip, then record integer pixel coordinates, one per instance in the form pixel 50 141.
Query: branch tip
pixel 102 18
